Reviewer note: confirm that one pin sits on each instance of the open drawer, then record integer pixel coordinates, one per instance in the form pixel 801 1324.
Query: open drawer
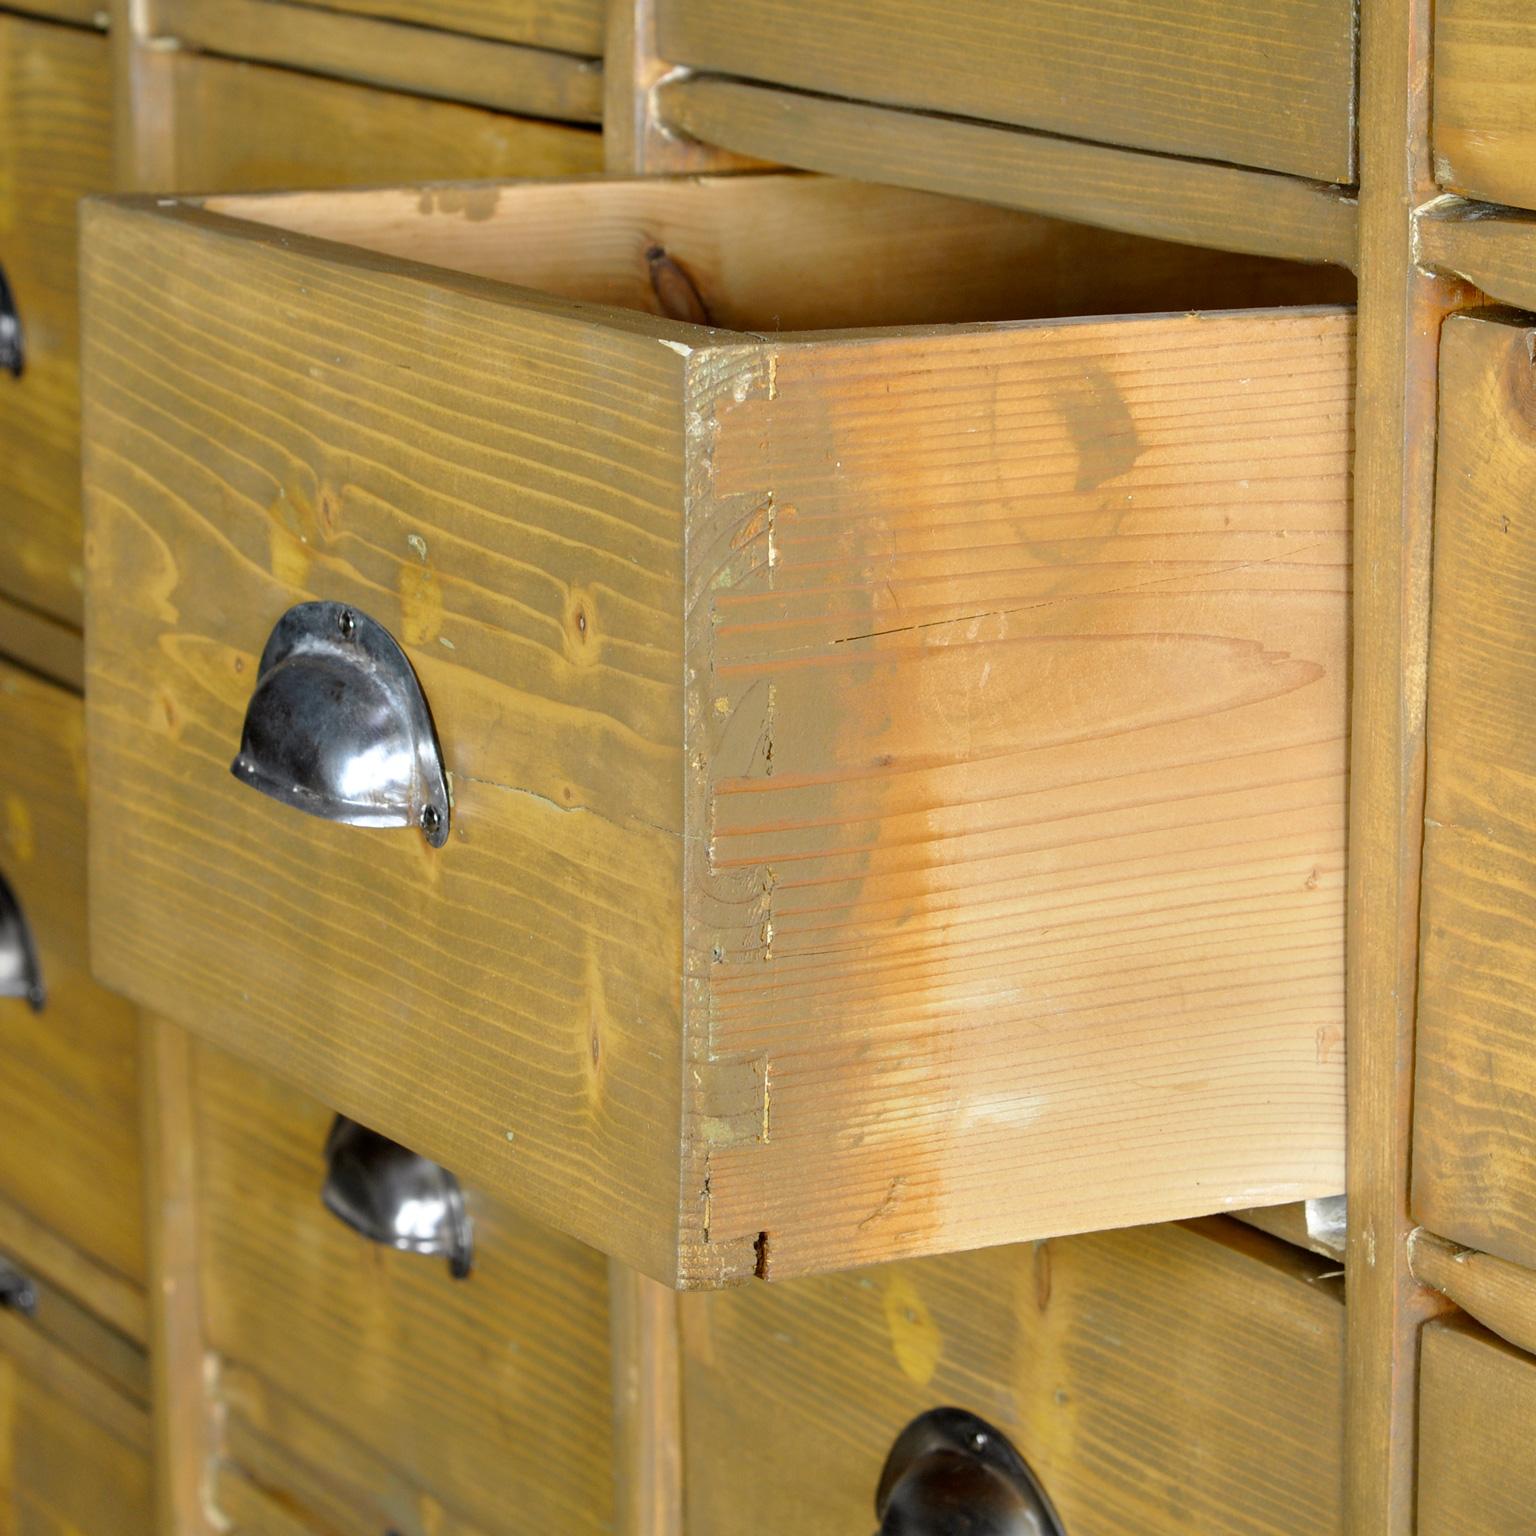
pixel 892 779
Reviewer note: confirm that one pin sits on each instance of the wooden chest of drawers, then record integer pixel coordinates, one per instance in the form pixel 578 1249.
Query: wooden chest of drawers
pixel 931 878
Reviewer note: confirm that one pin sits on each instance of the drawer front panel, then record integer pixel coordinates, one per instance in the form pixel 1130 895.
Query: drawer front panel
pixel 1474 1133
pixel 1477 1413
pixel 249 127
pixel 357 1376
pixel 1164 1380
pixel 55 147
pixel 945 870
pixel 69 1157
pixel 571 26
pixel 74 1457
pixel 1267 84
pixel 1484 111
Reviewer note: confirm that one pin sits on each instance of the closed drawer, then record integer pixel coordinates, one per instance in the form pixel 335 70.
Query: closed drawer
pixel 55 146
pixel 1165 1380
pixel 1477 1411
pixel 1474 1135
pixel 1484 117
pixel 74 1452
pixel 897 775
pixel 69 1158
pixel 571 26
pixel 1268 83
pixel 249 126
pixel 367 1389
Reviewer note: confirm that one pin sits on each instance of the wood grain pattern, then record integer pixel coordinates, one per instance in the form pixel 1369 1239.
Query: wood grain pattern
pixel 42 644
pixel 183 1414
pixel 1484 117
pixel 775 253
pixel 1317 1225
pixel 1400 312
pixel 1493 249
pixel 247 126
pixel 425 446
pixel 1041 830
pixel 1266 83
pixel 1500 1295
pixel 69 1092
pixel 1018 717
pixel 1474 1136
pixel 85 13
pixel 576 26
pixel 1191 201
pixel 73 1458
pixel 489 1398
pixel 647 1405
pixel 509 78
pixel 1162 1381
pixel 1479 1403
pixel 55 146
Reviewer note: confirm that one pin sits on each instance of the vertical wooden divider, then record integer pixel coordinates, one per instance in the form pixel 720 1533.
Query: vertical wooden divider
pixel 183 1442
pixel 647 1405
pixel 1399 327
pixel 143 100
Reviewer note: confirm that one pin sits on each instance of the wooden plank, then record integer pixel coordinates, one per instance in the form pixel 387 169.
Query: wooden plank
pixel 184 1438
pixel 83 13
pixel 574 26
pixel 635 142
pixel 1500 1295
pixel 532 1040
pixel 775 253
pixel 1006 748
pixel 1485 119
pixel 247 126
pixel 1400 313
pixel 1475 1469
pixel 1494 249
pixel 647 1405
pixel 118 1302
pixel 490 1397
pixel 1266 83
pixel 42 644
pixel 55 147
pixel 1198 204
pixel 1474 1131
pixel 1162 1381
pixel 1317 1225
pixel 72 1458
pixel 534 81
pixel 69 1092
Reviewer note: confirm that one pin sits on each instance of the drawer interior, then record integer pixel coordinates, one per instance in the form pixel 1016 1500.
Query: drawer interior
pixel 770 253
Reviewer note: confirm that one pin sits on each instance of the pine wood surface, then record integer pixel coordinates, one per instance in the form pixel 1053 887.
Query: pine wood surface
pixel 536 82
pixel 55 146
pixel 73 1454
pixel 1045 852
pixel 574 26
pixel 1500 1295
pixel 1484 116
pixel 1475 1067
pixel 1164 1380
pixel 236 126
pixel 69 1158
pixel 1494 249
pixel 1266 82
pixel 488 1397
pixel 1196 202
pixel 1475 1418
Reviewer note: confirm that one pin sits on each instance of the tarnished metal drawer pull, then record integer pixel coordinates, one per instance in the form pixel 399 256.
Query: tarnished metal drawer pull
pixel 13 355
pixel 338 725
pixel 952 1474
pixel 395 1196
pixel 18 1291
pixel 21 975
